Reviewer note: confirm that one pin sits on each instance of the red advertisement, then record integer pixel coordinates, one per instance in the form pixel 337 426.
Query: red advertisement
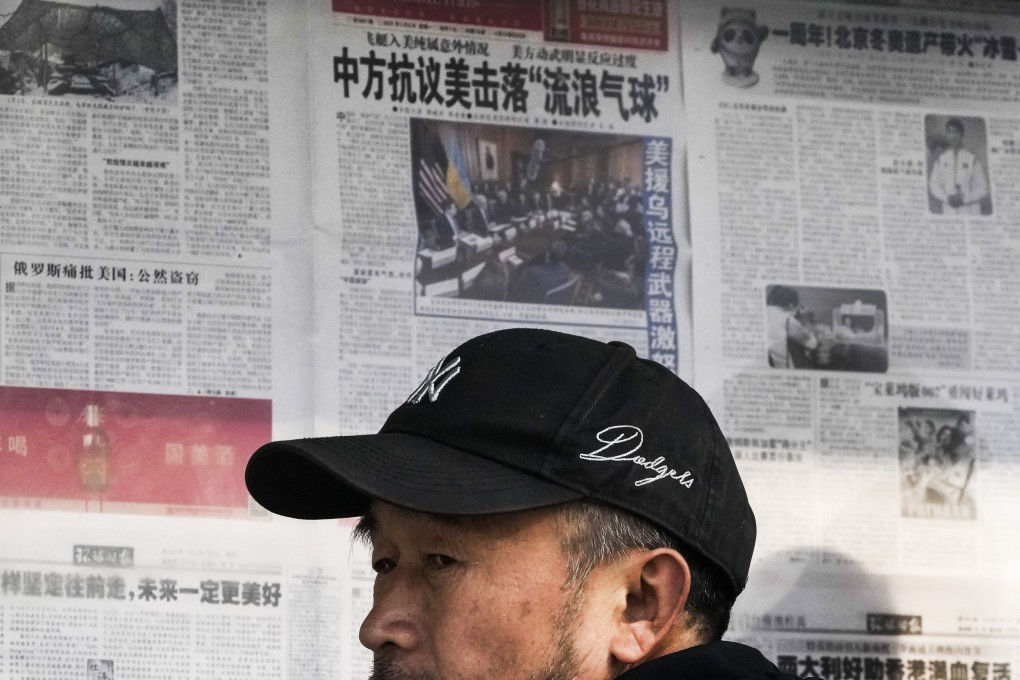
pixel 111 448
pixel 628 24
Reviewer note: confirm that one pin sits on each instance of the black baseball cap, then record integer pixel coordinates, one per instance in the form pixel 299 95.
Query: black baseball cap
pixel 526 418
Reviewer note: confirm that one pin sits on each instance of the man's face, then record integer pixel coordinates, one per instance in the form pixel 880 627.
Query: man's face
pixel 954 136
pixel 474 599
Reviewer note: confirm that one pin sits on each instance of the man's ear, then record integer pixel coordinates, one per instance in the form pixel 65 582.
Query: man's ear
pixel 657 583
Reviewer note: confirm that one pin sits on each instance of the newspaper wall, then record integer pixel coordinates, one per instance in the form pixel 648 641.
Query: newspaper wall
pixel 223 221
pixel 853 206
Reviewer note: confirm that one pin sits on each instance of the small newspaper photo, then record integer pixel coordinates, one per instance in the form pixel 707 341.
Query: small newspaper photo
pixel 119 50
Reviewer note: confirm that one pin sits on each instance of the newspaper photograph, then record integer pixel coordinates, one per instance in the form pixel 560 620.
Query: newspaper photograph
pixel 957 158
pixel 122 50
pixel 553 234
pixel 937 463
pixel 812 327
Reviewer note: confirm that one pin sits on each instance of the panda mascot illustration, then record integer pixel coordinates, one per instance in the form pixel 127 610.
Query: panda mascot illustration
pixel 737 40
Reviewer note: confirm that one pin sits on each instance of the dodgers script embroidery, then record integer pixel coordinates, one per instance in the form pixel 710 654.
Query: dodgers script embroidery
pixel 435 380
pixel 623 434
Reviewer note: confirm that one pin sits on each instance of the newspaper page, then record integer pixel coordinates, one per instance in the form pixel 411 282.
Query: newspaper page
pixel 139 175
pixel 486 167
pixel 156 598
pixel 853 206
pixel 155 230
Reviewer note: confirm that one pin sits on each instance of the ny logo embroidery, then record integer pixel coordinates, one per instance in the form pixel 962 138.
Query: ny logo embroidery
pixel 436 379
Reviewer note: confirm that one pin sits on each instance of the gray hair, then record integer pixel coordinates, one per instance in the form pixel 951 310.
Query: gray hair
pixel 593 534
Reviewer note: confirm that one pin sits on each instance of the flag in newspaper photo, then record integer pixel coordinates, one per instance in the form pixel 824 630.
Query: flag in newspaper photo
pixel 438 172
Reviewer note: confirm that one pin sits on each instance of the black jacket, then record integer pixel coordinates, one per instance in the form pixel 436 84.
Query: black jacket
pixel 716 660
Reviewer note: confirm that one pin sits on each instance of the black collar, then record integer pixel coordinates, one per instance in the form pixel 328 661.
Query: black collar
pixel 716 660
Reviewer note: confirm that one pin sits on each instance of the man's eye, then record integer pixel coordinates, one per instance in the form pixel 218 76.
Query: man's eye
pixel 383 566
pixel 438 561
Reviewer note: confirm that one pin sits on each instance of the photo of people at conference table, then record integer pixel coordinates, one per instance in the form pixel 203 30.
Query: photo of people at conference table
pixel 528 215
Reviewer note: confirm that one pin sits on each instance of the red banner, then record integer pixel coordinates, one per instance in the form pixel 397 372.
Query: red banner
pixel 625 24
pixel 637 24
pixel 494 13
pixel 128 448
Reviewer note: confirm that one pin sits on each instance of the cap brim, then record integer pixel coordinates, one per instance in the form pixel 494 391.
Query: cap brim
pixel 333 477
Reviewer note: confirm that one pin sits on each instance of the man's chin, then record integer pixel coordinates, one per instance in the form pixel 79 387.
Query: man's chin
pixel 387 669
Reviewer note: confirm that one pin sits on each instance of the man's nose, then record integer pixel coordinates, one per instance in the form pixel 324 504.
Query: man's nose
pixel 396 615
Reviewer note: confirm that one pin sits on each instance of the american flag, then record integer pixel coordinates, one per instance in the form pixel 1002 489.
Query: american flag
pixel 439 170
pixel 432 184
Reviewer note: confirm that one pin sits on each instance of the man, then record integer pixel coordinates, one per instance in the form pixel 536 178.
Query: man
pixel 791 342
pixel 539 202
pixel 443 230
pixel 501 210
pixel 957 179
pixel 476 215
pixel 547 279
pixel 543 507
pixel 589 243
